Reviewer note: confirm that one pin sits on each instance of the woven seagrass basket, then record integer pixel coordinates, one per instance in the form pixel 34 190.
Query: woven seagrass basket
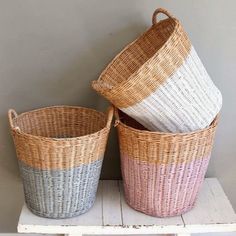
pixel 160 81
pixel 60 152
pixel 162 172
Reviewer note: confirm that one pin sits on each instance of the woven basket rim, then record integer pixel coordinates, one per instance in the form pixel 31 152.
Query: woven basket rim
pixel 160 50
pixel 169 134
pixel 49 139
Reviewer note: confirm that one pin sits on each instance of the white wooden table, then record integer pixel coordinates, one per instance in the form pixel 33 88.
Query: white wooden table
pixel 111 215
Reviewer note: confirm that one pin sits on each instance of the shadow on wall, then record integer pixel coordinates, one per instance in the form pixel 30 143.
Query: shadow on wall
pixel 67 86
pixel 10 184
pixel 8 155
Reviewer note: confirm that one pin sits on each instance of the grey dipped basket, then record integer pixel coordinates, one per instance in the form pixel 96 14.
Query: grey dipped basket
pixel 60 152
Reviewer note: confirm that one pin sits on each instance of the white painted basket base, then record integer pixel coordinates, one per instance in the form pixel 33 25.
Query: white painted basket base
pixel 187 101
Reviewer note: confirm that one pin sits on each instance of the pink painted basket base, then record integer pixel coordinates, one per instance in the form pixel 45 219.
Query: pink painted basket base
pixel 162 190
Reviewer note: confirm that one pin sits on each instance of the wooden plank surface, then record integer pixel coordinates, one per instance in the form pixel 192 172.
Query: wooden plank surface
pixel 111 203
pixel 111 215
pixel 212 211
pixel 212 206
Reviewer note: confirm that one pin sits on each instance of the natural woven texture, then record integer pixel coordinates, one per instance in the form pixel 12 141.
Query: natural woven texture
pixel 60 137
pixel 57 147
pixel 162 172
pixel 160 81
pixel 135 72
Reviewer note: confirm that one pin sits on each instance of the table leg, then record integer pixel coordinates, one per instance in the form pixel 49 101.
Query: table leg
pixel 73 234
pixel 183 234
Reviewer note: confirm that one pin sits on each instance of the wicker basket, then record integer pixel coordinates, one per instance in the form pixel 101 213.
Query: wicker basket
pixel 162 172
pixel 160 81
pixel 60 152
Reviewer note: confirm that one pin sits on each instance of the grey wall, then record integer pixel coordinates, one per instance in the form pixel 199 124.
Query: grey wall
pixel 50 51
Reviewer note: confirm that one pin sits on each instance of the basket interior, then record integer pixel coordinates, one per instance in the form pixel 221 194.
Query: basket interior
pixel 129 121
pixel 61 122
pixel 137 53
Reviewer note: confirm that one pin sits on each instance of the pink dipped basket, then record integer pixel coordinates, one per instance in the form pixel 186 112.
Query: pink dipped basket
pixel 162 172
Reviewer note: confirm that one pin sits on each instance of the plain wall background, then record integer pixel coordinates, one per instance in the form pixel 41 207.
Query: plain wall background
pixel 50 51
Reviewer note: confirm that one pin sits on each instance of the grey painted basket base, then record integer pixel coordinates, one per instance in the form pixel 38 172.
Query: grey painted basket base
pixel 64 216
pixel 60 193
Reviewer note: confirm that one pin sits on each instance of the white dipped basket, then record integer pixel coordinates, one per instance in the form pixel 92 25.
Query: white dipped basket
pixel 160 81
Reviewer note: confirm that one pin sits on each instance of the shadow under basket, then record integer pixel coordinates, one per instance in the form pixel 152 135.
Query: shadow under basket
pixel 60 152
pixel 162 172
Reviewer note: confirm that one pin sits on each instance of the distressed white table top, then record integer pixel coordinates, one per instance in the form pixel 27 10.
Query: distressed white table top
pixel 111 215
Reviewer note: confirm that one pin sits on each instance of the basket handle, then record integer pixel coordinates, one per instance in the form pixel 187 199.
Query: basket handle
pixel 11 115
pixel 110 112
pixel 157 11
pixel 117 117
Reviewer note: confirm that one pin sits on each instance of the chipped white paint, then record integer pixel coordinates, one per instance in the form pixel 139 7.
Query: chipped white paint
pixel 111 215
